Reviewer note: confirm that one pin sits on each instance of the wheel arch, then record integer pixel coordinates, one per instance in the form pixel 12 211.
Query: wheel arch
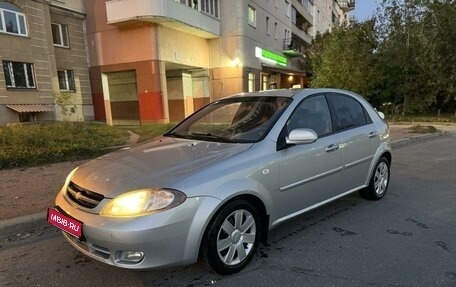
pixel 382 152
pixel 252 199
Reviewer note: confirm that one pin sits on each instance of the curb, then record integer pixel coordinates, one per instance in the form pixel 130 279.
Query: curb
pixel 28 223
pixel 418 138
pixel 22 224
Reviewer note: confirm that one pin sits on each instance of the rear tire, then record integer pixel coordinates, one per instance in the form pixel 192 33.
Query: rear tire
pixel 379 181
pixel 232 237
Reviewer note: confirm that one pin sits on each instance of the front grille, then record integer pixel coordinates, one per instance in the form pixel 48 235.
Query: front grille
pixel 83 196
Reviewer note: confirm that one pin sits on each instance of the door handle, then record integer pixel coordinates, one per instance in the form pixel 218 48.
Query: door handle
pixel 332 148
pixel 373 134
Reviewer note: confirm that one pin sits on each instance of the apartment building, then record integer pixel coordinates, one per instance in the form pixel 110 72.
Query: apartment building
pixel 42 56
pixel 160 60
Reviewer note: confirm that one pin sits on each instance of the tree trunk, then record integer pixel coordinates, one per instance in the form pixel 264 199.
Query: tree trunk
pixel 405 106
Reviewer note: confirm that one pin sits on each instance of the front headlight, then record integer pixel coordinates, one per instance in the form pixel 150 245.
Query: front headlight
pixel 143 202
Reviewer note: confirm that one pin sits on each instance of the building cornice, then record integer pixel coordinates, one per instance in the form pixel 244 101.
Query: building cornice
pixel 65 11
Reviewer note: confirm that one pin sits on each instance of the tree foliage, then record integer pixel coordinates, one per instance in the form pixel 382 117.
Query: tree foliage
pixel 344 58
pixel 405 55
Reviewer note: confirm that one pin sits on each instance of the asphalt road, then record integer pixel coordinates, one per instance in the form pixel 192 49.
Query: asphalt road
pixel 406 239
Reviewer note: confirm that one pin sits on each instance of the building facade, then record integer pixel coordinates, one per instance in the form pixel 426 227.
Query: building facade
pixel 43 58
pixel 159 61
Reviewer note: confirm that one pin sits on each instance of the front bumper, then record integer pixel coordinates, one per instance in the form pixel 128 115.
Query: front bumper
pixel 167 238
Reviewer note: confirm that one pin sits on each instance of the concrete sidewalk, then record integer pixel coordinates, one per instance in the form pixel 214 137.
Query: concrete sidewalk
pixel 22 225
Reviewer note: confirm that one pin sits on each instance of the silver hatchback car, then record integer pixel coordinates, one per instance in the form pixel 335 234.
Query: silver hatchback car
pixel 214 185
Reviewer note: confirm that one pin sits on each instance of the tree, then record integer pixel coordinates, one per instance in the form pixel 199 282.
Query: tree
pixel 405 55
pixel 438 58
pixel 344 58
pixel 401 79
pixel 416 52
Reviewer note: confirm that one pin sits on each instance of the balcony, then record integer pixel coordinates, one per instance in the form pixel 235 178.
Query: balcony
pixel 304 11
pixel 165 12
pixel 301 34
pixel 346 5
pixel 292 48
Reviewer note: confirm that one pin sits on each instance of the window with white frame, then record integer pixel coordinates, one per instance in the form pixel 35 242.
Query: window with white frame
pixel 60 35
pixel 252 16
pixel 66 80
pixel 12 20
pixel 19 75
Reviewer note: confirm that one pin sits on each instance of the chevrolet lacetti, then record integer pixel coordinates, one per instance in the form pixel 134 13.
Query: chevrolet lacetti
pixel 213 186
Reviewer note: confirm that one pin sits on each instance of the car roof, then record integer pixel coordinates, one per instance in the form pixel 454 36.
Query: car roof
pixel 289 92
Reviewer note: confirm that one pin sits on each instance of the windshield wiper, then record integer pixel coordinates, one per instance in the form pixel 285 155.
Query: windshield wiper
pixel 207 135
pixel 176 135
pixel 212 136
pixel 201 136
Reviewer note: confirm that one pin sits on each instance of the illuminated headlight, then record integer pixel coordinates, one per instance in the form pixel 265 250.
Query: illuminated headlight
pixel 143 202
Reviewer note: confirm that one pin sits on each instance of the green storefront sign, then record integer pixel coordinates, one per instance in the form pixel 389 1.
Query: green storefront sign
pixel 270 56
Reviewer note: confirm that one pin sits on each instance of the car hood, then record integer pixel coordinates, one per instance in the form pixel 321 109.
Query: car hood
pixel 159 163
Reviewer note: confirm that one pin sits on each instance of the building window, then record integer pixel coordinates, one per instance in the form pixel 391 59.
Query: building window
pixel 210 7
pixel 66 80
pixel 264 82
pixel 252 16
pixel 60 35
pixel 308 5
pixel 251 82
pixel 19 75
pixel 276 31
pixel 287 35
pixel 267 26
pixel 287 9
pixel 12 20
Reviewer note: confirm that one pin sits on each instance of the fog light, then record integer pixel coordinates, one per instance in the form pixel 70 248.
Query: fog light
pixel 131 256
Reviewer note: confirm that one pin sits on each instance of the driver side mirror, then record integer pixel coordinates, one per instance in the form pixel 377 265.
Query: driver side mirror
pixel 301 136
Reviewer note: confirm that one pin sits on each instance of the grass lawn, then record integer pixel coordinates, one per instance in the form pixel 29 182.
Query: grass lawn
pixel 34 144
pixel 150 131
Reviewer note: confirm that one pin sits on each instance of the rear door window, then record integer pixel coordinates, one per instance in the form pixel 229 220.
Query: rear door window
pixel 349 113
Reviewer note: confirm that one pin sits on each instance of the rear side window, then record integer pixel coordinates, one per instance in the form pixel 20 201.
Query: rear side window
pixel 349 113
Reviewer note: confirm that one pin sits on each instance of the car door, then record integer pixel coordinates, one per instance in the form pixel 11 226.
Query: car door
pixel 360 139
pixel 309 172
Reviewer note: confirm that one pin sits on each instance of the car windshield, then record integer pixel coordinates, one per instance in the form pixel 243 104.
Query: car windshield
pixel 237 119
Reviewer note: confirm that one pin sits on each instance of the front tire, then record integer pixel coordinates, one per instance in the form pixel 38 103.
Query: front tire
pixel 232 237
pixel 379 181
